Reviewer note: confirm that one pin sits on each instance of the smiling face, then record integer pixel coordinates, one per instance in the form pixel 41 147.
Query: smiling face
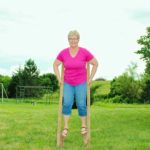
pixel 73 41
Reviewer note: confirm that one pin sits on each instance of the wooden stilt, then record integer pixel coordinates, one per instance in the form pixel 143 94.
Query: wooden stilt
pixel 59 124
pixel 88 104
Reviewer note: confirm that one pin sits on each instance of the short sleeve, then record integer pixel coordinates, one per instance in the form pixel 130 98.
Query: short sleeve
pixel 60 56
pixel 89 55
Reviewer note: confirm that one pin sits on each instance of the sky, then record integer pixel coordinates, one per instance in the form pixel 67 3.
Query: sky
pixel 38 30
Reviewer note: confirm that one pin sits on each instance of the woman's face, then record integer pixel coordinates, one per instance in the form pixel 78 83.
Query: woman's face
pixel 73 41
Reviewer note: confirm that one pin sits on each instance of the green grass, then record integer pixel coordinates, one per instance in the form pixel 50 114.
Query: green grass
pixel 102 90
pixel 113 127
pixel 104 87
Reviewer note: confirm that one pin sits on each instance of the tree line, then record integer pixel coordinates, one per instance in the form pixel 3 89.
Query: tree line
pixel 29 75
pixel 129 87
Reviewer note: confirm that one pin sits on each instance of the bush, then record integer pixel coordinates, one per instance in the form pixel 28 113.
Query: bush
pixel 145 96
pixel 100 79
pixel 127 88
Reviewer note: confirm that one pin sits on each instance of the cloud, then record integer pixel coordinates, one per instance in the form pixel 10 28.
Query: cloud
pixel 11 19
pixel 7 15
pixel 142 16
pixel 11 70
pixel 38 30
pixel 3 71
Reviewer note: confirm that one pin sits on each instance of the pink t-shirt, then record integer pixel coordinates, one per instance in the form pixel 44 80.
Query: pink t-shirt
pixel 75 67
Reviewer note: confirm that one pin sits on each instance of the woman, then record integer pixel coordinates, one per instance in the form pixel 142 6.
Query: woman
pixel 74 59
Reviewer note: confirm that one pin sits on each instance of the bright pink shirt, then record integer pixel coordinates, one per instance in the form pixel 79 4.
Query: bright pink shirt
pixel 75 67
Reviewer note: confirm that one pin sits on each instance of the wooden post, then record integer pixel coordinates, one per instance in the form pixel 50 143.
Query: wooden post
pixel 88 103
pixel 2 92
pixel 59 125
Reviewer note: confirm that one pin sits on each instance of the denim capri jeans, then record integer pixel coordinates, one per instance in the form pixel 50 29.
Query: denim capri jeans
pixel 80 93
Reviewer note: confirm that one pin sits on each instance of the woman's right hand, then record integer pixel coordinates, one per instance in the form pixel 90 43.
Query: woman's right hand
pixel 60 82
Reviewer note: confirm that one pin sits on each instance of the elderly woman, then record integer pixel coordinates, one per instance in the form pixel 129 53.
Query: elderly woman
pixel 75 81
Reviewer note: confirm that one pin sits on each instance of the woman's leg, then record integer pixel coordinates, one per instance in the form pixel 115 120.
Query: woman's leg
pixel 67 103
pixel 66 120
pixel 83 121
pixel 81 94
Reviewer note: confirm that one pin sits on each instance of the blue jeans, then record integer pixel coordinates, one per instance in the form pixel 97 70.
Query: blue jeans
pixel 80 93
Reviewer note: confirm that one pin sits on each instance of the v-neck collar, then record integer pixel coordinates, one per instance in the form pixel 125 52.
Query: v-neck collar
pixel 76 53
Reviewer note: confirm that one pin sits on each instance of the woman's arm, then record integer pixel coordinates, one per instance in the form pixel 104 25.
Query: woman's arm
pixel 56 70
pixel 94 64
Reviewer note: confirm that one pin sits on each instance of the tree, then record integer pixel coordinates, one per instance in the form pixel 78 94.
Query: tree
pixel 26 76
pixel 50 80
pixel 126 86
pixel 145 96
pixel 29 76
pixel 12 86
pixel 145 52
pixel 132 70
pixel 145 49
pixel 30 73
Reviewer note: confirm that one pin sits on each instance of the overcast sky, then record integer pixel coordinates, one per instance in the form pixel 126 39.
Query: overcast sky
pixel 38 29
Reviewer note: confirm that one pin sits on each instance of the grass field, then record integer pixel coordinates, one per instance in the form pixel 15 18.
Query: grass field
pixel 113 127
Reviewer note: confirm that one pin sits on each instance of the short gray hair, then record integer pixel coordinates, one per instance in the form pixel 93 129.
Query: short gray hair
pixel 74 32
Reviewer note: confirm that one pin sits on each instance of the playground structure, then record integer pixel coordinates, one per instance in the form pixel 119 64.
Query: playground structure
pixel 59 123
pixel 33 92
pixel 3 92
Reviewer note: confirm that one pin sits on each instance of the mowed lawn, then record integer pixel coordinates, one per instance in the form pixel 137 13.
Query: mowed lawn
pixel 113 127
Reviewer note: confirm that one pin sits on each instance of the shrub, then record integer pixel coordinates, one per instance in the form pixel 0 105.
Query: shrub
pixel 127 88
pixel 145 96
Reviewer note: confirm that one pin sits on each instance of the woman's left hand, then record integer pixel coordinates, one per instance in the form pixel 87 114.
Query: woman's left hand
pixel 90 82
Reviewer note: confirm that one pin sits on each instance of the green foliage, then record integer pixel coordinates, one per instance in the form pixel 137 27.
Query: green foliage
pixel 12 86
pixel 30 73
pixel 92 92
pixel 29 76
pixel 100 79
pixel 26 76
pixel 100 90
pixel 115 99
pixel 126 87
pixel 145 96
pixel 145 49
pixel 49 80
pixel 144 41
pixel 6 81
